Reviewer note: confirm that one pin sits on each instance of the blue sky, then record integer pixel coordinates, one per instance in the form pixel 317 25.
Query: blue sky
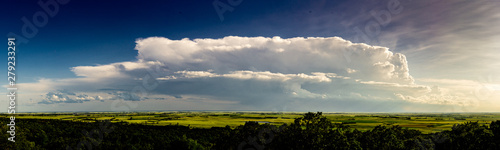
pixel 382 56
pixel 99 29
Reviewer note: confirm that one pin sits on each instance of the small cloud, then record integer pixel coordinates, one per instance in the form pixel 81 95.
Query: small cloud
pixel 66 96
pixel 349 70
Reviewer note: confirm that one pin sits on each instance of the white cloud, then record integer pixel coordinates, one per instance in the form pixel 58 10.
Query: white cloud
pixel 294 55
pixel 252 72
pixel 113 70
pixel 65 96
pixel 265 75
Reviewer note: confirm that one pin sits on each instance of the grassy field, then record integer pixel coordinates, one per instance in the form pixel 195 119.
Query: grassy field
pixel 425 122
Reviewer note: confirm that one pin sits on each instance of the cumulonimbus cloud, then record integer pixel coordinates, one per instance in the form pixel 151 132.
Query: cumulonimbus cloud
pixel 251 71
pixel 277 55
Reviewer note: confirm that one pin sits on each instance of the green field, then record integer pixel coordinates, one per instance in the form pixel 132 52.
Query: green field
pixel 425 122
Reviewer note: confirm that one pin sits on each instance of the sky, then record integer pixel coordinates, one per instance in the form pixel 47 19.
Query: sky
pixel 241 55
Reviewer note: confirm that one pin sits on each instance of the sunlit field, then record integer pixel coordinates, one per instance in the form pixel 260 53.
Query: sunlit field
pixel 425 122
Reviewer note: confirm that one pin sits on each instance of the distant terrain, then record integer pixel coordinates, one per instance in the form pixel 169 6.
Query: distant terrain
pixel 425 122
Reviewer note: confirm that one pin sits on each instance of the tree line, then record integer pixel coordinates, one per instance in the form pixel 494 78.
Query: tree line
pixel 311 131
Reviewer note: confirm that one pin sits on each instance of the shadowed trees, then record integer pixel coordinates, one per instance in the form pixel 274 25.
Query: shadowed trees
pixel 311 131
pixel 469 135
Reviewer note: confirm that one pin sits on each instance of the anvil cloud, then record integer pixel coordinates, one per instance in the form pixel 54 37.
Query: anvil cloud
pixel 258 73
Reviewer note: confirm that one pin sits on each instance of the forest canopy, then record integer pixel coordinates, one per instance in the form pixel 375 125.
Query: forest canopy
pixel 310 131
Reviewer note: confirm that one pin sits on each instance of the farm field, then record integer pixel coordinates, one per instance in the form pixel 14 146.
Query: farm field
pixel 425 122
